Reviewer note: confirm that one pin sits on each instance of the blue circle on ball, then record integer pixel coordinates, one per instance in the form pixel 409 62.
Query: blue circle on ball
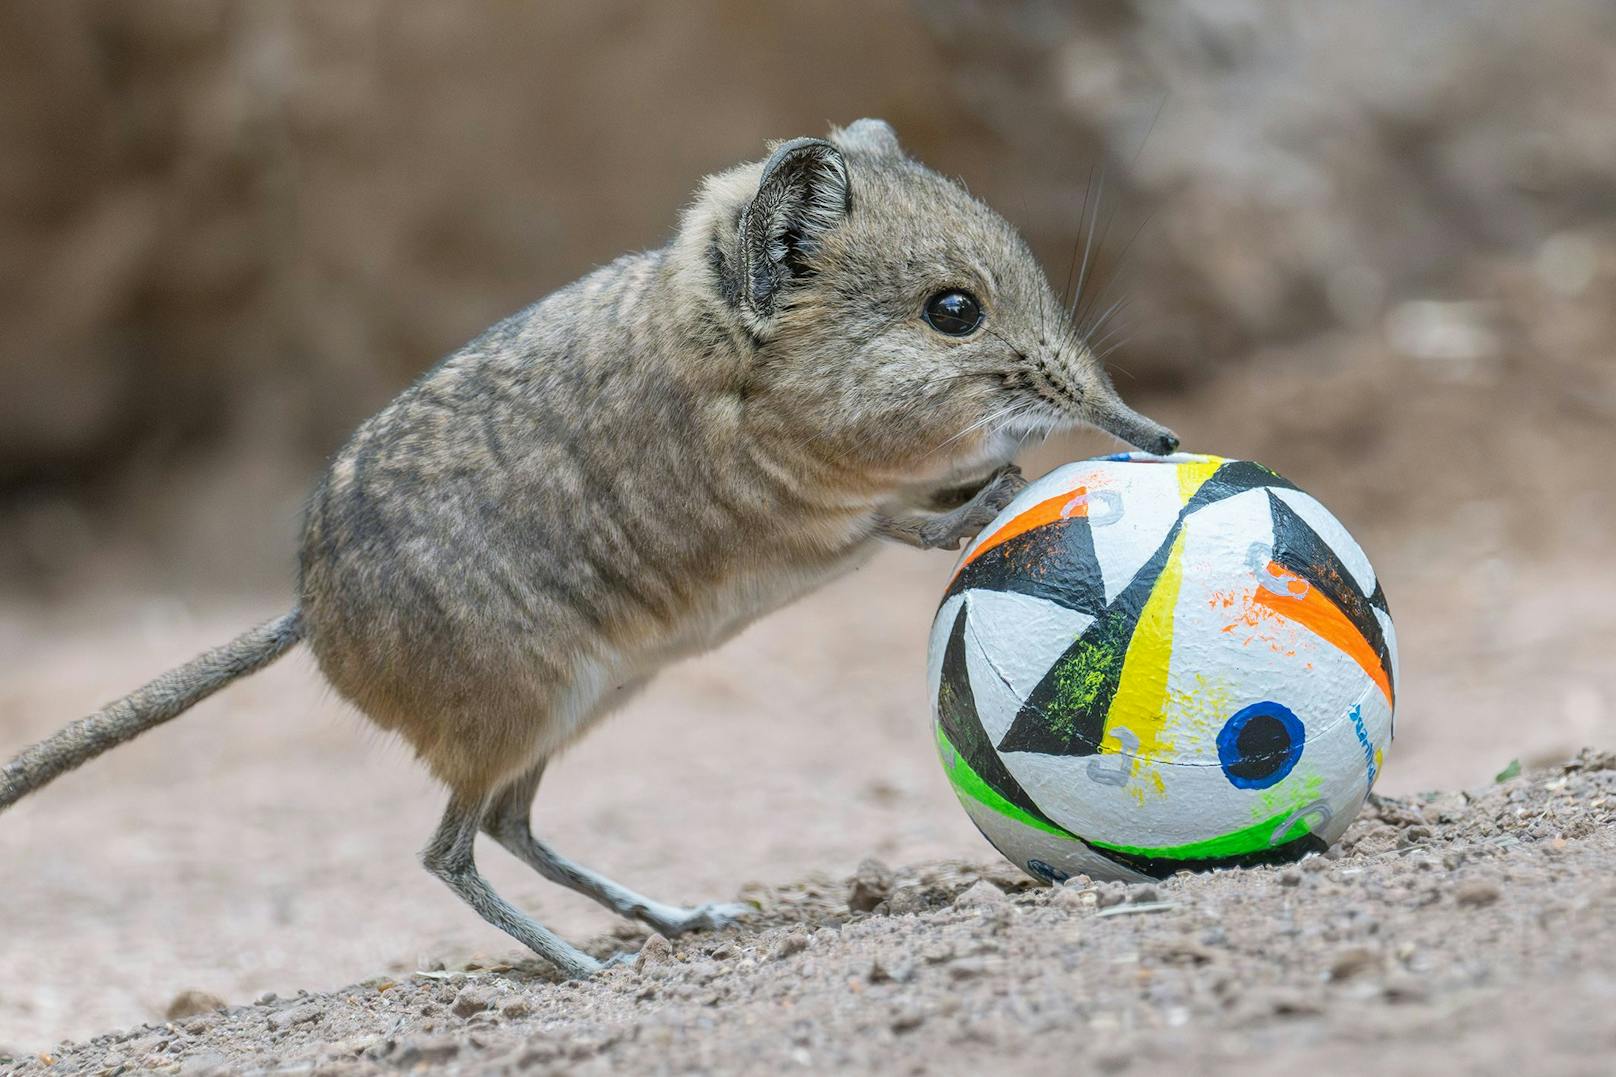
pixel 1260 745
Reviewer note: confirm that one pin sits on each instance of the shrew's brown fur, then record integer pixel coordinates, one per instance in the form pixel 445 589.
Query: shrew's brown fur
pixel 642 463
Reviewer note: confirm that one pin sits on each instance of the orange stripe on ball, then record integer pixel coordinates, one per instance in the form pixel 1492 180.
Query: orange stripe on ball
pixel 1063 506
pixel 1312 608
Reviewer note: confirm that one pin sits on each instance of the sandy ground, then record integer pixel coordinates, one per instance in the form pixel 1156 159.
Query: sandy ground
pixel 1440 936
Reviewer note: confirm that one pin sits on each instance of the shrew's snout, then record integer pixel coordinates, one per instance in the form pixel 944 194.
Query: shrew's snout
pixel 1088 394
pixel 1106 410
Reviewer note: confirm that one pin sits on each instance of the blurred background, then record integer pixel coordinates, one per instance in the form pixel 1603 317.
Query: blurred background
pixel 1372 245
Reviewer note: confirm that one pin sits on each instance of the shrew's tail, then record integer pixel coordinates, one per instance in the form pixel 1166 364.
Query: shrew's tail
pixel 167 697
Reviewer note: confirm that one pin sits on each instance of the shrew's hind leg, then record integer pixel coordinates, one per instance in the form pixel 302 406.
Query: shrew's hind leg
pixel 449 857
pixel 506 821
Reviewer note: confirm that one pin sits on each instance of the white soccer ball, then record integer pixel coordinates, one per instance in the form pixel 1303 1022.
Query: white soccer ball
pixel 1148 664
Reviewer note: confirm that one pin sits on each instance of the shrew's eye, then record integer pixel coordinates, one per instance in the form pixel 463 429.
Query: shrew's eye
pixel 954 313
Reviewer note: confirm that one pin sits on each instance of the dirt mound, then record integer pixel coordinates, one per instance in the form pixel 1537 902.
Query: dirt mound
pixel 1485 915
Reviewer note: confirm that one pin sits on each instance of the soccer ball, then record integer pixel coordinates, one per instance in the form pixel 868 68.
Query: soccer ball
pixel 1151 664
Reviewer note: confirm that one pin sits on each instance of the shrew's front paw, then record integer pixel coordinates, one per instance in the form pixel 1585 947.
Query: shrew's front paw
pixel 1002 489
pixel 945 532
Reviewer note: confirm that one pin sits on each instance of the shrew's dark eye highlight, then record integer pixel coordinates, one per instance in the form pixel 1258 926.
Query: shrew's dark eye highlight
pixel 953 313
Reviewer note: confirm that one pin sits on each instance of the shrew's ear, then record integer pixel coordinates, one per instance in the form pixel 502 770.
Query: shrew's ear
pixel 802 194
pixel 871 136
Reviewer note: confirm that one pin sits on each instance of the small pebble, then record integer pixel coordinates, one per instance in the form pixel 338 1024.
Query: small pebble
pixel 191 1003
pixel 907 900
pixel 967 969
pixel 297 1015
pixel 907 1019
pixel 794 943
pixel 1476 893
pixel 1352 961
pixel 1065 898
pixel 656 950
pixel 871 884
pixel 472 999
pixel 900 971
pixel 981 895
